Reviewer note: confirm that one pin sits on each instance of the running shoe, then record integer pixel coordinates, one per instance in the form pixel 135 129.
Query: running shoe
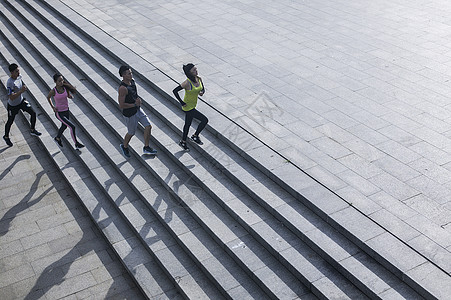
pixel 8 141
pixel 125 151
pixel 35 132
pixel 79 145
pixel 196 139
pixel 58 141
pixel 149 151
pixel 184 146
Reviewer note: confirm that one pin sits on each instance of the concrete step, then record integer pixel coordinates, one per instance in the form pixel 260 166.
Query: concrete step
pixel 287 211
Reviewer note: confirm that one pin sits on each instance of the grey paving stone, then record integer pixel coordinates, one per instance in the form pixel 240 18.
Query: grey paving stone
pixel 359 165
pixel 22 272
pixel 364 268
pixel 322 175
pixel 248 250
pixel 323 200
pixel 433 231
pixel 366 151
pixel 241 292
pixel 359 200
pixel 43 236
pixel 399 128
pixel 394 225
pixel 72 285
pixel 358 225
pixel 430 189
pixel 430 209
pixel 393 205
pixel 403 293
pixel 283 286
pixel 335 132
pixel 330 147
pixel 432 251
pixel 394 186
pixel 359 183
pixel 298 157
pixel 274 235
pixel 396 168
pixel 398 151
pixel 338 290
pixel 435 281
pixel 399 255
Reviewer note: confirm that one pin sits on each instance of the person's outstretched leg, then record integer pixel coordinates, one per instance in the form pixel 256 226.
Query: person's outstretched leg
pixel 12 112
pixel 203 122
pixel 64 118
pixel 61 116
pixel 25 106
pixel 9 122
pixel 188 121
pixel 127 139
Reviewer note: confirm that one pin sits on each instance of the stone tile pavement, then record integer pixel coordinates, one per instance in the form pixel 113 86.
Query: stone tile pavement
pixel 358 92
pixel 49 247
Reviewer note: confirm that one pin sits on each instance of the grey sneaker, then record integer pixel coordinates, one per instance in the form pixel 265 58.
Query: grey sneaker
pixel 125 151
pixel 196 139
pixel 35 132
pixel 149 151
pixel 79 145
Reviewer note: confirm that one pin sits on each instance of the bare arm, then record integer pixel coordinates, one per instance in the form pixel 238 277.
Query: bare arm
pixel 49 99
pixel 202 92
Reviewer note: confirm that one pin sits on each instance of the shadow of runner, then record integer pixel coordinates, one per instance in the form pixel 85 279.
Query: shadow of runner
pixel 85 263
pixel 24 204
pixel 19 158
pixel 70 274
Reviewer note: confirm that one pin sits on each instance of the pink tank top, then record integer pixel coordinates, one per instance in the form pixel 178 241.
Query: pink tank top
pixel 61 102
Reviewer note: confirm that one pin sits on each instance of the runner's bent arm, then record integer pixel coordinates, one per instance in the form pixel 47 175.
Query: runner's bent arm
pixel 49 96
pixel 14 95
pixel 202 92
pixel 176 91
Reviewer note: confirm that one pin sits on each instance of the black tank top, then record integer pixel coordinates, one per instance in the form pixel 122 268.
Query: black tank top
pixel 130 98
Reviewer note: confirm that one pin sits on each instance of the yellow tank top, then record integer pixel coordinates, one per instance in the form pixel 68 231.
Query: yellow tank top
pixel 190 97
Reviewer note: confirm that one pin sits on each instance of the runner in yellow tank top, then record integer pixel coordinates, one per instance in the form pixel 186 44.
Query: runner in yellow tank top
pixel 193 87
pixel 191 95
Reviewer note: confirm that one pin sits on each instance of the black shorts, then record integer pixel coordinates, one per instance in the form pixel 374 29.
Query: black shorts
pixel 14 110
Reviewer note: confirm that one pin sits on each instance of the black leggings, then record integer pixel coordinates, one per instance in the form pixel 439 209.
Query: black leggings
pixel 63 116
pixel 189 116
pixel 14 110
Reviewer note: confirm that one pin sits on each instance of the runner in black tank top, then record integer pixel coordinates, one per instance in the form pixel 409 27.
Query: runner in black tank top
pixel 130 103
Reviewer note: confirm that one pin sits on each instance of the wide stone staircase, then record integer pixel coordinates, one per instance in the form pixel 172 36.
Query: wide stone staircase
pixel 231 218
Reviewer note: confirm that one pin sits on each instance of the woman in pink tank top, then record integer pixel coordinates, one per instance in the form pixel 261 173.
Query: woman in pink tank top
pixel 60 93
